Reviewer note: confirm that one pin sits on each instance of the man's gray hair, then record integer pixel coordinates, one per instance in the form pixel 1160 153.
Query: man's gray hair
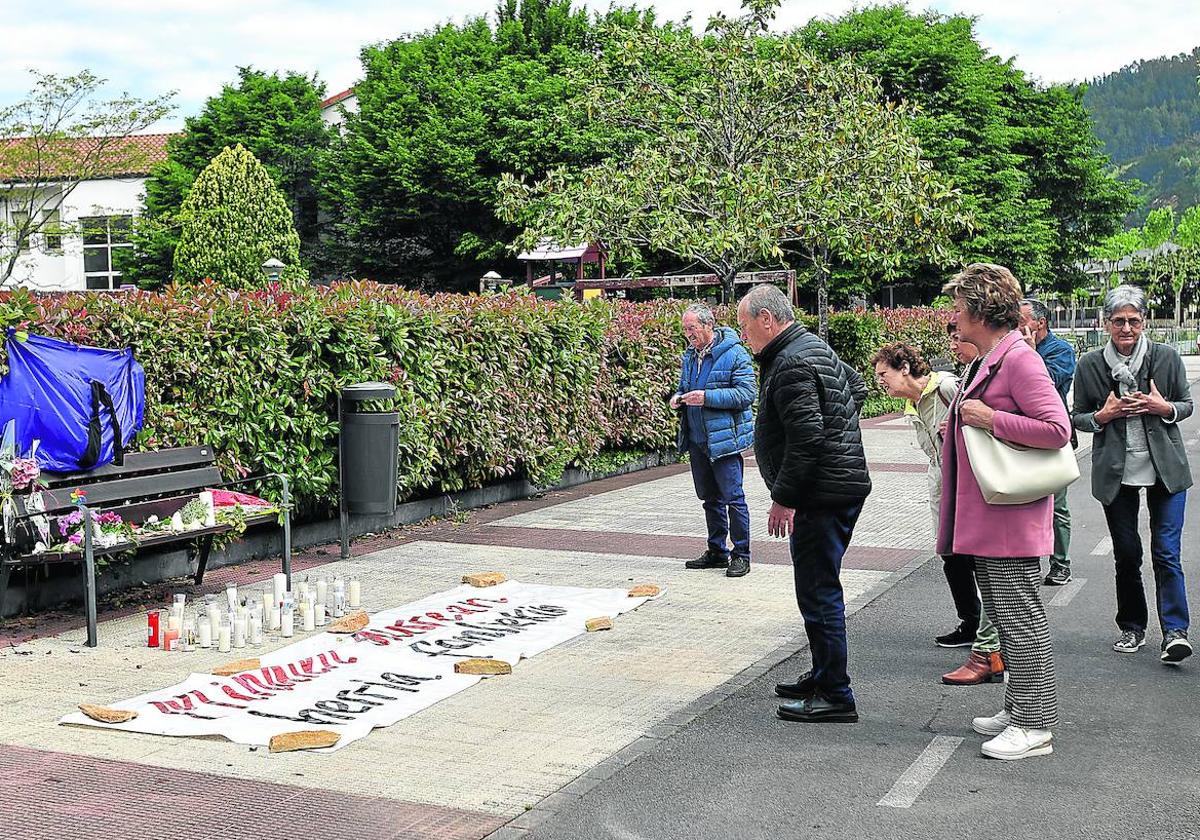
pixel 1040 312
pixel 703 314
pixel 1123 296
pixel 771 299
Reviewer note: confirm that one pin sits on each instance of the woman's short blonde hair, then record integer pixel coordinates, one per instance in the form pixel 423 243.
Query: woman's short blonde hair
pixel 990 292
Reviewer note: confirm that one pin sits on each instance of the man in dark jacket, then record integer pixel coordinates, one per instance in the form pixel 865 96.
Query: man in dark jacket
pixel 716 391
pixel 810 453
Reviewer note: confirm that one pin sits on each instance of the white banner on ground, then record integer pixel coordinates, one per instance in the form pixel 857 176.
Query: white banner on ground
pixel 402 662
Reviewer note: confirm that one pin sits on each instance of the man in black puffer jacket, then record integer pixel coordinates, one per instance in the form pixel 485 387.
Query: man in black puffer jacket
pixel 810 453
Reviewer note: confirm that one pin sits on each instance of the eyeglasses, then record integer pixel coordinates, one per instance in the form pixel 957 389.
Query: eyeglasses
pixel 1122 323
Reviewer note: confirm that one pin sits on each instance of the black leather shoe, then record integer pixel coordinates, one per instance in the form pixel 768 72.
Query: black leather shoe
pixel 801 689
pixel 817 709
pixel 739 566
pixel 708 560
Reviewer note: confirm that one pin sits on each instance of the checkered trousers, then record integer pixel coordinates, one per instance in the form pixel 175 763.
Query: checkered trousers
pixel 1010 588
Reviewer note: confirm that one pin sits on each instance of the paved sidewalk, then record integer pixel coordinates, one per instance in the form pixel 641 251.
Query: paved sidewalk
pixel 468 766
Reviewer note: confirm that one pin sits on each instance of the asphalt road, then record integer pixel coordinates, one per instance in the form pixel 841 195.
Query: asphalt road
pixel 1126 761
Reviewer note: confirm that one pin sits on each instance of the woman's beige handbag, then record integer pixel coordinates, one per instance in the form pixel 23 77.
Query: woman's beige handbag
pixel 1011 474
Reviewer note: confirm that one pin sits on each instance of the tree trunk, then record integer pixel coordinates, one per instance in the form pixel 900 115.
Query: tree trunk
pixel 822 302
pixel 728 291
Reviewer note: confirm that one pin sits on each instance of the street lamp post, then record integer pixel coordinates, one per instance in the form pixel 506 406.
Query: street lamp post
pixel 272 268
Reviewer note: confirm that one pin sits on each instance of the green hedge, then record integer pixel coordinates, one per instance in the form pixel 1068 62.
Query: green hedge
pixel 488 387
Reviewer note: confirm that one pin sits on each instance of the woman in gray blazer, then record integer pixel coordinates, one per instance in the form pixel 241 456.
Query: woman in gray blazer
pixel 1131 394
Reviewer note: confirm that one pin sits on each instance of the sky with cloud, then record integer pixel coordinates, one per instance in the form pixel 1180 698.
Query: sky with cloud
pixel 195 48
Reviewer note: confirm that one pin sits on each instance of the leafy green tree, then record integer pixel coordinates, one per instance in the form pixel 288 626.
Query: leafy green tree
pixel 440 116
pixel 1024 157
pixel 750 151
pixel 1171 271
pixel 233 220
pixel 59 135
pixel 278 118
pixel 1115 248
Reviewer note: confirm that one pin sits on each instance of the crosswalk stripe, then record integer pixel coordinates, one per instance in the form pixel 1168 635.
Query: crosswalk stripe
pixel 1066 593
pixel 920 773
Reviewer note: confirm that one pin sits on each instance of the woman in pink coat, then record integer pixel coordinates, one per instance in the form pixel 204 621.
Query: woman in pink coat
pixel 1008 392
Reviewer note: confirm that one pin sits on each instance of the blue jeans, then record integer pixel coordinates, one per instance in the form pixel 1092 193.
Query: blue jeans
pixel 1166 528
pixel 819 539
pixel 719 485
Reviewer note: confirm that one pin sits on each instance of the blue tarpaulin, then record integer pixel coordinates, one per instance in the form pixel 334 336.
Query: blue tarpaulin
pixel 59 393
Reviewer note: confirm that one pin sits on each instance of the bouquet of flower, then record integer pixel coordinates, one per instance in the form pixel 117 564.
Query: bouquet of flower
pixel 20 495
pixel 108 529
pixel 23 473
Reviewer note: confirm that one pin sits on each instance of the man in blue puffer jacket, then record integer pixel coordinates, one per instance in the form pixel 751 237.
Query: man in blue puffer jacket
pixel 716 390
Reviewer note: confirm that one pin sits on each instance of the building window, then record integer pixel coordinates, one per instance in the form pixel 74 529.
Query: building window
pixel 102 235
pixel 52 231
pixel 20 225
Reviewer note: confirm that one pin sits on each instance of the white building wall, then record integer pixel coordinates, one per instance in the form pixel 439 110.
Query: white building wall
pixel 63 271
pixel 333 114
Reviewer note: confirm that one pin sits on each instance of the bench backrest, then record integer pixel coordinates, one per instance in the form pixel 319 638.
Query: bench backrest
pixel 144 476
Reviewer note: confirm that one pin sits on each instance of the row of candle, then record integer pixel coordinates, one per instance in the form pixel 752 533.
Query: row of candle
pixel 235 623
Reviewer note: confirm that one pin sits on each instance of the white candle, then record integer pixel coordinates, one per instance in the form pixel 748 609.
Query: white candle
pixel 210 514
pixel 204 628
pixel 309 615
pixel 279 583
pixel 214 618
pixel 224 638
pixel 254 629
pixel 287 616
pixel 319 613
pixel 231 596
pixel 239 631
pixel 339 597
pixel 355 593
pixel 323 592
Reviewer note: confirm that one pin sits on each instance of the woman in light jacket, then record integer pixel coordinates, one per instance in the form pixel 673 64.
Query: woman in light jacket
pixel 1130 394
pixel 928 395
pixel 1007 392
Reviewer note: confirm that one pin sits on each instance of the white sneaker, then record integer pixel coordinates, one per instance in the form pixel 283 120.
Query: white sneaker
pixel 993 725
pixel 1018 742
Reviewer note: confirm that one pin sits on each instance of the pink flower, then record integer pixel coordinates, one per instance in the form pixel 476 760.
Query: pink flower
pixel 24 473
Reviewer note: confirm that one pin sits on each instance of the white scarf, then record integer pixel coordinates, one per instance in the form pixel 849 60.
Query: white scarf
pixel 1126 373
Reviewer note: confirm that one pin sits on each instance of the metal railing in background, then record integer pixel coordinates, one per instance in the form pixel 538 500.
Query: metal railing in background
pixel 1183 339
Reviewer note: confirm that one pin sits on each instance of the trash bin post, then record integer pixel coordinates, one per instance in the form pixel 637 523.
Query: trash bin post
pixel 367 458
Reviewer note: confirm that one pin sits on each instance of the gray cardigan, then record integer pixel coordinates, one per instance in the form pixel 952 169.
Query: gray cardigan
pixel 1093 384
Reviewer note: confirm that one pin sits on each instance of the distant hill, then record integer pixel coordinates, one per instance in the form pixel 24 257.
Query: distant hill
pixel 1148 116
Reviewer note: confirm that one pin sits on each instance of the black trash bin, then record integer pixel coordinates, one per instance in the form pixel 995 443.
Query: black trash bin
pixel 367 459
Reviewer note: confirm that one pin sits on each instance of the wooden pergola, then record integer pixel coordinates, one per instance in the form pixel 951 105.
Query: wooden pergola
pixel 552 253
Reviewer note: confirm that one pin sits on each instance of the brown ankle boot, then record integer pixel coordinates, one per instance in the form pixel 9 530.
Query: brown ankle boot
pixel 979 668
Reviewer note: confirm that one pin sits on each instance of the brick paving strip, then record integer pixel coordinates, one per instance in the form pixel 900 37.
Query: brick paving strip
pixel 481 758
pixel 140 801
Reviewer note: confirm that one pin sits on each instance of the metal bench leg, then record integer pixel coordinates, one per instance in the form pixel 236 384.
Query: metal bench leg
pixel 89 578
pixel 5 571
pixel 287 531
pixel 202 552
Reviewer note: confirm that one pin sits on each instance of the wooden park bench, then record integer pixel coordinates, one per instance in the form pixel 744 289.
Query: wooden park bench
pixel 146 484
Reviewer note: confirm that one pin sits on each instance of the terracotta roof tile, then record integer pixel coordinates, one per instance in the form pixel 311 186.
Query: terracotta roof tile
pixel 140 151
